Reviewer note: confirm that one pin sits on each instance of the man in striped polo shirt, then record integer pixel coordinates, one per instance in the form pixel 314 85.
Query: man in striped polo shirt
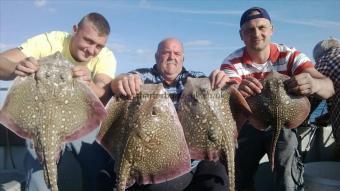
pixel 247 66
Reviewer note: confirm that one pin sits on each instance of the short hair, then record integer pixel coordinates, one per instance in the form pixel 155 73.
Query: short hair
pixel 323 46
pixel 98 21
pixel 160 44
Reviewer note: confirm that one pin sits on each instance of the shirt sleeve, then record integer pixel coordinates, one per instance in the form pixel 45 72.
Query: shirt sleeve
pixel 328 65
pixel 36 46
pixel 106 63
pixel 230 70
pixel 145 74
pixel 299 62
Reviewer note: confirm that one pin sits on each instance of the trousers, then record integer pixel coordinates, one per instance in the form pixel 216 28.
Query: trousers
pixel 254 144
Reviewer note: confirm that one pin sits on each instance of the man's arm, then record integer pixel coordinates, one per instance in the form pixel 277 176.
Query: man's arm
pixel 101 87
pixel 13 62
pixel 100 84
pixel 309 82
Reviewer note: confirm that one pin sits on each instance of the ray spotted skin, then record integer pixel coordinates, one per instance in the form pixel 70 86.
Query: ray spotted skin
pixel 276 108
pixel 209 124
pixel 145 138
pixel 51 108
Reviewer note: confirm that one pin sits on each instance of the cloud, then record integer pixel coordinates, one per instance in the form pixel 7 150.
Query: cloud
pixel 144 4
pixel 223 23
pixel 140 51
pixel 118 48
pixel 204 45
pixel 315 23
pixel 203 12
pixel 4 46
pixel 147 5
pixel 142 57
pixel 198 43
pixel 143 52
pixel 52 10
pixel 40 3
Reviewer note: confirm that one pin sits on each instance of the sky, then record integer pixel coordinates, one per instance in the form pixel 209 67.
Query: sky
pixel 207 28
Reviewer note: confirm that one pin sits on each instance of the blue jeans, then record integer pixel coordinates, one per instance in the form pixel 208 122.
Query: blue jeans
pixel 254 144
pixel 90 155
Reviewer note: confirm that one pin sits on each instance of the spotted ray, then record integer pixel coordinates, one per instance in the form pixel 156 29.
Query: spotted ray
pixel 145 138
pixel 276 108
pixel 51 108
pixel 208 118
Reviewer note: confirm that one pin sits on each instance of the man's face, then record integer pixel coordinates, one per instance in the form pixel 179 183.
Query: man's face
pixel 256 33
pixel 169 59
pixel 86 42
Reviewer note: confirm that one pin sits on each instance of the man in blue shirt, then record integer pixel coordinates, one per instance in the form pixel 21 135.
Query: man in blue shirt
pixel 170 72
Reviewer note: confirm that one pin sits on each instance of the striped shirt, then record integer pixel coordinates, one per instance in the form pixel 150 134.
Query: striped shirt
pixel 329 65
pixel 282 59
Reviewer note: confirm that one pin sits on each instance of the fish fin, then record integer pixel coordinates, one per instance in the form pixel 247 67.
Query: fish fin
pixel 239 107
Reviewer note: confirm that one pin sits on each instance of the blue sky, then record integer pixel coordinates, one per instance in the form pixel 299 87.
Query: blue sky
pixel 208 28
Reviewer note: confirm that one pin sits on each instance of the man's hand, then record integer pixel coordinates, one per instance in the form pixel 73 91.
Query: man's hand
pixel 26 67
pixel 218 79
pixel 302 84
pixel 250 86
pixel 126 85
pixel 83 73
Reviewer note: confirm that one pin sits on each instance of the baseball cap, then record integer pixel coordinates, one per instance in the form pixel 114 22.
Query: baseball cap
pixel 247 15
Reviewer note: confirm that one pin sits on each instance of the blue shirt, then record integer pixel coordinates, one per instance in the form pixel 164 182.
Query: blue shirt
pixel 152 76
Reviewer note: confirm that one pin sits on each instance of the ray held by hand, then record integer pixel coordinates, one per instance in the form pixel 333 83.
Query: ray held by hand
pixel 210 120
pixel 276 108
pixel 145 138
pixel 51 108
